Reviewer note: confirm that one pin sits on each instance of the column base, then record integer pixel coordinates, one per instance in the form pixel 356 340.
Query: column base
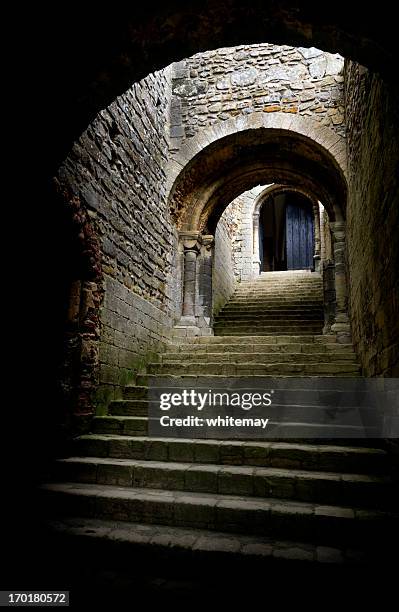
pixel 342 330
pixel 191 326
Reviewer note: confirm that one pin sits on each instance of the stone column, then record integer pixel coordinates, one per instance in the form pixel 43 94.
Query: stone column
pixel 204 270
pixel 316 256
pixel 191 248
pixel 341 326
pixel 255 245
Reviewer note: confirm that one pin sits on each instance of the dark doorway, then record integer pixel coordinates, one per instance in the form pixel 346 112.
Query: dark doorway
pixel 286 233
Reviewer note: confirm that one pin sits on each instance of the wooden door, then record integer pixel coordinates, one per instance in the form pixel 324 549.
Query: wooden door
pixel 299 235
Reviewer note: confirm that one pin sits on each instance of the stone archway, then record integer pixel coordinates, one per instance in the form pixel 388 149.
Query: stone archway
pixel 331 144
pixel 112 50
pixel 228 159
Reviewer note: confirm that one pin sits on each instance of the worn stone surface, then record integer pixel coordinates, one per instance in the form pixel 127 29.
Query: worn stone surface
pixel 372 112
pixel 117 171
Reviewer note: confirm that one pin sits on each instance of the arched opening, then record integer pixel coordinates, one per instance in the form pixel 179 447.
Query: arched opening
pixel 286 233
pixel 303 170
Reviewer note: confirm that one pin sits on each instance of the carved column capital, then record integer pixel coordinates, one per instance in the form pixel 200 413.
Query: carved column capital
pixel 207 241
pixel 190 240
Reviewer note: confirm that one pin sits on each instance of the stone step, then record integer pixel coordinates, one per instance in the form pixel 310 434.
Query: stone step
pixel 267 322
pixel 264 324
pixel 300 409
pixel 135 392
pixel 265 295
pixel 279 331
pixel 286 455
pixel 268 317
pixel 258 357
pixel 258 303
pixel 282 325
pixel 251 339
pixel 316 487
pixel 317 523
pixel 280 368
pixel 198 549
pixel 138 408
pixel 282 427
pixel 219 380
pixel 255 310
pixel 265 348
pixel 121 425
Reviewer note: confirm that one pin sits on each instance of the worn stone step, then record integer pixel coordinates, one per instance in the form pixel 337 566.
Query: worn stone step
pixel 266 321
pixel 255 339
pixel 122 425
pixel 203 380
pixel 198 549
pixel 289 455
pixel 265 317
pixel 301 409
pixel 135 392
pixel 263 329
pixel 267 309
pixel 265 348
pixel 277 304
pixel 287 295
pixel 317 487
pixel 280 368
pixel 289 327
pixel 231 513
pixel 279 331
pixel 275 300
pixel 259 357
pixel 128 408
pixel 281 428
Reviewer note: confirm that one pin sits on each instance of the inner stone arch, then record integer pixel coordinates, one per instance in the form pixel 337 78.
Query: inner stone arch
pixel 299 153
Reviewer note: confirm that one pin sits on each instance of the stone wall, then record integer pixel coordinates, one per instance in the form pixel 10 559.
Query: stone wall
pixel 117 171
pixel 372 115
pixel 223 279
pixel 217 85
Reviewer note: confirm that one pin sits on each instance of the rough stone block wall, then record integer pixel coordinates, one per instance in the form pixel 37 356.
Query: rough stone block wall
pixel 218 85
pixel 372 116
pixel 117 170
pixel 223 282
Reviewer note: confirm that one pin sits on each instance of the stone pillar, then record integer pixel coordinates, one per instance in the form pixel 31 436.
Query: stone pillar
pixel 195 319
pixel 205 278
pixel 317 242
pixel 191 248
pixel 341 325
pixel 255 245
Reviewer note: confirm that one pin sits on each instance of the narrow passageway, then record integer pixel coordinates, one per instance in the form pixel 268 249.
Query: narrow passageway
pixel 229 242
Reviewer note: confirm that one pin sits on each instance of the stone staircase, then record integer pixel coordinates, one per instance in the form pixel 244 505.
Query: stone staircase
pixel 289 303
pixel 289 501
